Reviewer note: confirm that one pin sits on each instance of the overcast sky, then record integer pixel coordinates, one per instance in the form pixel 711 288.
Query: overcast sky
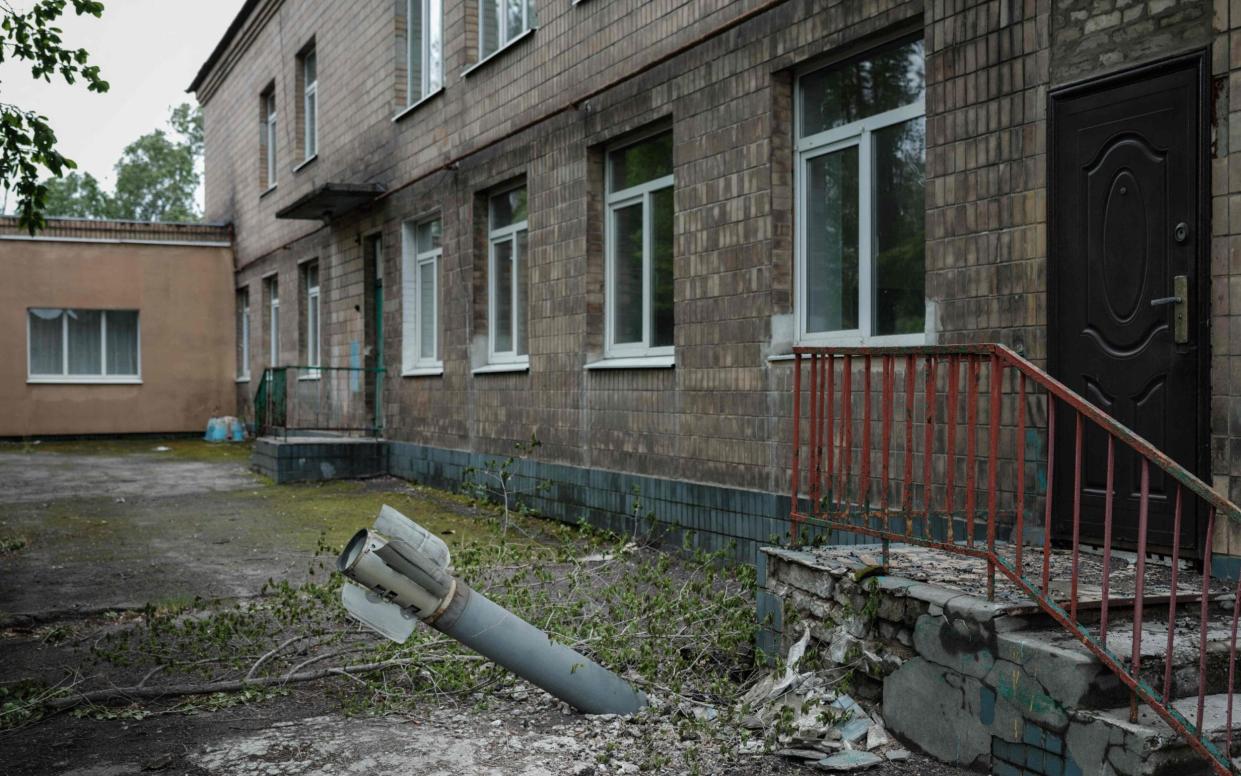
pixel 148 50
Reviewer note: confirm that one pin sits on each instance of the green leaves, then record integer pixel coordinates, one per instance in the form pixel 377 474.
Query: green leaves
pixel 156 177
pixel 27 142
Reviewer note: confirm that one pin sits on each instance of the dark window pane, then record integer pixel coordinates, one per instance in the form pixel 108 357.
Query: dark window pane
pixel 521 278
pixel 489 21
pixel 641 162
pixel 123 342
pixel 662 319
pixel 85 342
pixel 627 274
pixel 832 241
pixel 899 240
pixel 503 314
pixel 426 310
pixel 47 341
pixel 837 95
pixel 516 24
pixel 508 208
pixel 429 235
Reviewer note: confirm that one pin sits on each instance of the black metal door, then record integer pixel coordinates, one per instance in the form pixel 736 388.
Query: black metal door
pixel 1127 231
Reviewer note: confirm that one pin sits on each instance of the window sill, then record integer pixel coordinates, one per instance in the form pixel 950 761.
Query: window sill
pixel 245 379
pixel 306 162
pixel 886 341
pixel 495 369
pixel 639 362
pixel 493 55
pixel 83 380
pixel 268 190
pixel 424 371
pixel 301 378
pixel 416 105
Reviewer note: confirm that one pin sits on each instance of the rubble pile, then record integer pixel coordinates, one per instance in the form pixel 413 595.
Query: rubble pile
pixel 812 721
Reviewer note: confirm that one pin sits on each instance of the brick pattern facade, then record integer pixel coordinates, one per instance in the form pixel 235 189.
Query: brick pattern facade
pixel 720 416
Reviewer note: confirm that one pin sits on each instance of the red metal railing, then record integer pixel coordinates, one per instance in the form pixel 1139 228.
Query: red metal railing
pixel 1005 398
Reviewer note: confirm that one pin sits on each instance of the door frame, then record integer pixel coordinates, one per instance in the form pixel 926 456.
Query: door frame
pixel 1199 61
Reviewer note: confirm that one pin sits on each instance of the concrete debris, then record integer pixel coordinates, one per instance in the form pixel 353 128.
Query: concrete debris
pixel 801 754
pixel 896 755
pixel 845 762
pixel 877 737
pixel 811 717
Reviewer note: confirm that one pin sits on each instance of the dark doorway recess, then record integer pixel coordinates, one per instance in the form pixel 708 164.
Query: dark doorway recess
pixel 1128 227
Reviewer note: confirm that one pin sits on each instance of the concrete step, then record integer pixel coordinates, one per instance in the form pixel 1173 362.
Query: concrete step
pixel 1075 678
pixel 1149 746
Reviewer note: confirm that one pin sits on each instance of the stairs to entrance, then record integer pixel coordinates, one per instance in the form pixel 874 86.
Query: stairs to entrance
pixel 956 448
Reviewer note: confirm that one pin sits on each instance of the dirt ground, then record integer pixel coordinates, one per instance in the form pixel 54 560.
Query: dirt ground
pixel 89 529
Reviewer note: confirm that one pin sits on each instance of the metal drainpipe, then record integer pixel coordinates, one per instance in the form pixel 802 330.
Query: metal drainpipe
pixel 408 577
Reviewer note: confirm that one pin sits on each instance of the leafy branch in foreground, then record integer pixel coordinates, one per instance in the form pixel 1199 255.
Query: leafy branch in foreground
pixel 27 141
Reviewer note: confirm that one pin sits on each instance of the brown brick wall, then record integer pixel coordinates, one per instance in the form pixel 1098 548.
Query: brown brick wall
pixel 720 416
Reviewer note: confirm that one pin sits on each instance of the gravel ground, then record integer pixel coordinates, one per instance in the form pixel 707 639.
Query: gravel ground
pixel 89 531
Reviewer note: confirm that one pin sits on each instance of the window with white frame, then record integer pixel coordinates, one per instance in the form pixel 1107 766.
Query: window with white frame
pixel 273 321
pixel 639 288
pixel 500 22
pixel 268 137
pixel 424 49
pixel 243 334
pixel 311 338
pixel 87 346
pixel 507 277
pixel 310 104
pixel 420 269
pixel 861 174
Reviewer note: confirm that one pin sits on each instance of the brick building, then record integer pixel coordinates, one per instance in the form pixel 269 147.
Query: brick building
pixel 606 222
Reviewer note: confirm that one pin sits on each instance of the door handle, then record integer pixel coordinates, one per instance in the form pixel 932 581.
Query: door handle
pixel 1180 309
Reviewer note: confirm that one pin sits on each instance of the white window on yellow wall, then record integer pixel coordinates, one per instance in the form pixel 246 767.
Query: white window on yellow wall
pixel 243 334
pixel 507 277
pixel 500 22
pixel 639 227
pixel 421 253
pixel 424 49
pixel 82 346
pixel 861 178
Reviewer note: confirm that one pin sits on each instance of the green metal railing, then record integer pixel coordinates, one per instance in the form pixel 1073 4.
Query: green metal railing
pixel 335 399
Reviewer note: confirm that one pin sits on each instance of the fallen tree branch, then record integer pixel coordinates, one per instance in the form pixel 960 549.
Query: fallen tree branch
pixel 254 668
pixel 153 693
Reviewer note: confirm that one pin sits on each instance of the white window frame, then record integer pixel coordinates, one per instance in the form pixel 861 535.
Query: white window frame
pixel 314 341
pixel 413 363
pixel 858 133
pixel 273 320
pixel 243 313
pixel 269 127
pixel 504 36
pixel 642 193
pixel 496 237
pixel 431 14
pixel 64 377
pixel 310 95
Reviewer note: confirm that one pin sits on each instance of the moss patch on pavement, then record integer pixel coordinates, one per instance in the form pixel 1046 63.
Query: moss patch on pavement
pixel 179 448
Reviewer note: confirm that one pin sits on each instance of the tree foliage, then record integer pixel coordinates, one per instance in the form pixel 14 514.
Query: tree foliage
pixel 156 177
pixel 27 141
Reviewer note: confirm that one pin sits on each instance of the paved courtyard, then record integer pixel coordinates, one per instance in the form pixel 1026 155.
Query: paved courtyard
pixel 93 532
